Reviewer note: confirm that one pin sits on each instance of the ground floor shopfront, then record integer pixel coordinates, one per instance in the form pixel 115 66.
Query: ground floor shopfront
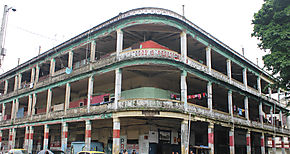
pixel 153 133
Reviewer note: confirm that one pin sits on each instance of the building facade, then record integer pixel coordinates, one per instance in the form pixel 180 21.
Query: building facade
pixel 147 80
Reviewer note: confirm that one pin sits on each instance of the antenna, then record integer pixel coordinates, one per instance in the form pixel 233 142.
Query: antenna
pixel 39 50
pixel 18 61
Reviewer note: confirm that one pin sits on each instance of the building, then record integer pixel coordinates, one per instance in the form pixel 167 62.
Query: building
pixel 147 79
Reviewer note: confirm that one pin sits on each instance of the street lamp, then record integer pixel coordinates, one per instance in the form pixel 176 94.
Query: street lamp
pixel 3 32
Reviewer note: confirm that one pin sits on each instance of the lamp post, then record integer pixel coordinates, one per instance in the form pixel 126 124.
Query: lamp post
pixel 3 32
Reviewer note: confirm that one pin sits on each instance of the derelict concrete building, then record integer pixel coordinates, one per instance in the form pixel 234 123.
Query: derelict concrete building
pixel 147 80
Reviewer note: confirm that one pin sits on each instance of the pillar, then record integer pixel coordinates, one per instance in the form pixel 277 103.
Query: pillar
pixel 272 117
pixel 261 113
pixel 15 82
pixel 183 89
pixel 263 143
pixel 6 87
pixel 116 136
pixel 245 77
pixel 281 119
pixel 248 138
pixel 32 77
pixel 90 91
pixel 19 81
pixel 211 137
pixel 93 51
pixel 88 135
pixel 52 67
pixel 259 84
pixel 48 101
pixel 230 102
pixel 209 95
pixel 64 135
pixel 12 110
pixel 11 142
pixel 16 108
pixel 3 110
pixel 45 137
pixel 36 74
pixel 67 97
pixel 34 97
pixel 30 142
pixel 1 139
pixel 70 59
pixel 118 86
pixel 208 58
pixel 232 140
pixel 229 68
pixel 184 137
pixel 246 102
pixel 183 46
pixel 283 145
pixel 119 47
pixel 26 138
pixel 273 144
pixel 29 105
pixel 288 123
pixel 270 92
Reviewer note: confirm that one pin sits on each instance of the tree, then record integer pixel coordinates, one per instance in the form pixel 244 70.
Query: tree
pixel 272 29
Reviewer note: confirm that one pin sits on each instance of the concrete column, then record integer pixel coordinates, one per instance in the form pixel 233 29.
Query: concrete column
pixel 246 103
pixel 232 140
pixel 67 97
pixel 211 137
pixel 119 47
pixel 230 102
pixel 30 143
pixel 88 135
pixel 32 77
pixel 116 136
pixel 270 92
pixel 283 145
pixel 208 58
pixel 183 46
pixel 48 101
pixel 16 108
pixel 45 137
pixel 259 84
pixel 3 110
pixel 229 68
pixel 272 117
pixel 183 89
pixel 281 118
pixel 209 95
pixel 90 91
pixel 64 136
pixel 245 77
pixel 70 59
pixel 118 86
pixel 1 139
pixel 288 123
pixel 36 74
pixel 29 105
pixel 12 110
pixel 15 82
pixel 261 112
pixel 184 137
pixel 248 137
pixel 263 143
pixel 12 135
pixel 34 95
pixel 93 51
pixel 273 144
pixel 19 81
pixel 26 138
pixel 52 67
pixel 6 87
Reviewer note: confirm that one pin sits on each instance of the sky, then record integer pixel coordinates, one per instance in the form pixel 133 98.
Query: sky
pixel 47 23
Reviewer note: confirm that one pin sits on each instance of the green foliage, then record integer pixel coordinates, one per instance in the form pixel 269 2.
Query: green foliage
pixel 272 28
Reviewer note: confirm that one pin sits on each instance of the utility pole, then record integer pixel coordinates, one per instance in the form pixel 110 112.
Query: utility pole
pixel 3 32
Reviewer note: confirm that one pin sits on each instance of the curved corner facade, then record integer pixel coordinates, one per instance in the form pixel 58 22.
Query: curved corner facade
pixel 147 80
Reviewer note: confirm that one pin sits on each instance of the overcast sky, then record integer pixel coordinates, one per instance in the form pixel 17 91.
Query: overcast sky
pixel 47 23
